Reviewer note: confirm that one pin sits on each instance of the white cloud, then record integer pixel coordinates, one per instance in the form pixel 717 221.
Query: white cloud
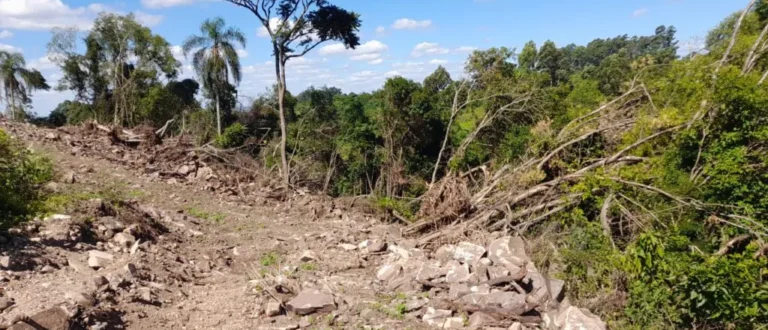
pixel 155 4
pixel 5 34
pixel 47 14
pixel 43 64
pixel 148 19
pixel 381 30
pixel 465 49
pixel 363 76
pixel 41 15
pixel 365 57
pixel 9 48
pixel 373 46
pixel 640 12
pixel 371 51
pixel 438 62
pixel 376 61
pixel 242 53
pixel 428 48
pixel 410 24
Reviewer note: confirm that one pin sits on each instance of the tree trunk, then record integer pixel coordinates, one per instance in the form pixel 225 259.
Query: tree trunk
pixel 283 132
pixel 218 114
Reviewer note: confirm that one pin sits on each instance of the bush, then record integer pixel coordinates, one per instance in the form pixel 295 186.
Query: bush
pixel 21 174
pixel 233 136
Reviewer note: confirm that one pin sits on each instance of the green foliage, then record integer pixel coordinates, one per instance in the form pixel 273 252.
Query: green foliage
pixel 233 137
pixel 402 207
pixel 269 259
pixel 21 174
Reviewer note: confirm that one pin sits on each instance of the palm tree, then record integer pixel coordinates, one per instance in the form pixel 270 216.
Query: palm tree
pixel 216 58
pixel 18 82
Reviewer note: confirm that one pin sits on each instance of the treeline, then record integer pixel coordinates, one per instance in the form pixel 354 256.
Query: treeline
pixel 639 176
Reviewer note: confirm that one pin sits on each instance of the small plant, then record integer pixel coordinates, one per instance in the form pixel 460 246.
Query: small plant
pixel 269 259
pixel 308 266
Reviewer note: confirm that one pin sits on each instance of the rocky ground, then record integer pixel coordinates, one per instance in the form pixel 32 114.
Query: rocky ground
pixel 158 238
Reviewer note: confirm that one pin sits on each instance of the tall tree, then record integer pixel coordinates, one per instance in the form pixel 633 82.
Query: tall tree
pixel 527 58
pixel 295 28
pixel 216 58
pixel 122 60
pixel 18 82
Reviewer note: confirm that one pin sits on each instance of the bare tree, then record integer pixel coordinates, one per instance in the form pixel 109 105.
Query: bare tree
pixel 296 27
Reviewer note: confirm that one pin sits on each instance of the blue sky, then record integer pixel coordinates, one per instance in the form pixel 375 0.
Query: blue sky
pixel 399 37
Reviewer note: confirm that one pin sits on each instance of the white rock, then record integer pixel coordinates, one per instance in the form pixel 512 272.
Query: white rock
pixel 124 240
pixel 508 250
pixel 573 318
pixel 436 317
pixel 347 247
pixel 99 259
pixel 468 253
pixel 388 271
pixel 457 272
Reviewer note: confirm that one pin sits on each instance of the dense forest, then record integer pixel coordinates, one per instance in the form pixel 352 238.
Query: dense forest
pixel 641 175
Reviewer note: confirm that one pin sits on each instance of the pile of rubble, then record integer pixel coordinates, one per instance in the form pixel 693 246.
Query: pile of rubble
pixel 482 287
pixel 112 258
pixel 174 160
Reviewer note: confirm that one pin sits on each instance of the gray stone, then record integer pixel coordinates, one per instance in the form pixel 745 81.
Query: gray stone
pixel 458 290
pixel 305 322
pixel 556 289
pixel 482 288
pixel 573 318
pixel 273 308
pixel 5 262
pixel 99 259
pixel 497 271
pixel 468 253
pixel 436 317
pixel 47 269
pixel 400 253
pixel 311 301
pixel 54 318
pixel 430 269
pixel 373 246
pixel 124 240
pixel 131 270
pixel 387 272
pixel 308 256
pixel 416 303
pixel 516 326
pixel 478 320
pixel 77 266
pixel 100 281
pixel 457 272
pixel 80 298
pixel 348 247
pixel 508 250
pixel 445 252
pixel 453 323
pixel 511 301
pixel 6 303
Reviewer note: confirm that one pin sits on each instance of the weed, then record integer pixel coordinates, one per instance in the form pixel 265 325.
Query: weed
pixel 308 266
pixel 269 259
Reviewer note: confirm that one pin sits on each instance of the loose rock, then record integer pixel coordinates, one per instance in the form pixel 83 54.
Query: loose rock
pixel 99 259
pixel 468 253
pixel 311 301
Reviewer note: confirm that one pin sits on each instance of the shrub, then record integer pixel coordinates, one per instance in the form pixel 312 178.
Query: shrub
pixel 21 174
pixel 233 136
